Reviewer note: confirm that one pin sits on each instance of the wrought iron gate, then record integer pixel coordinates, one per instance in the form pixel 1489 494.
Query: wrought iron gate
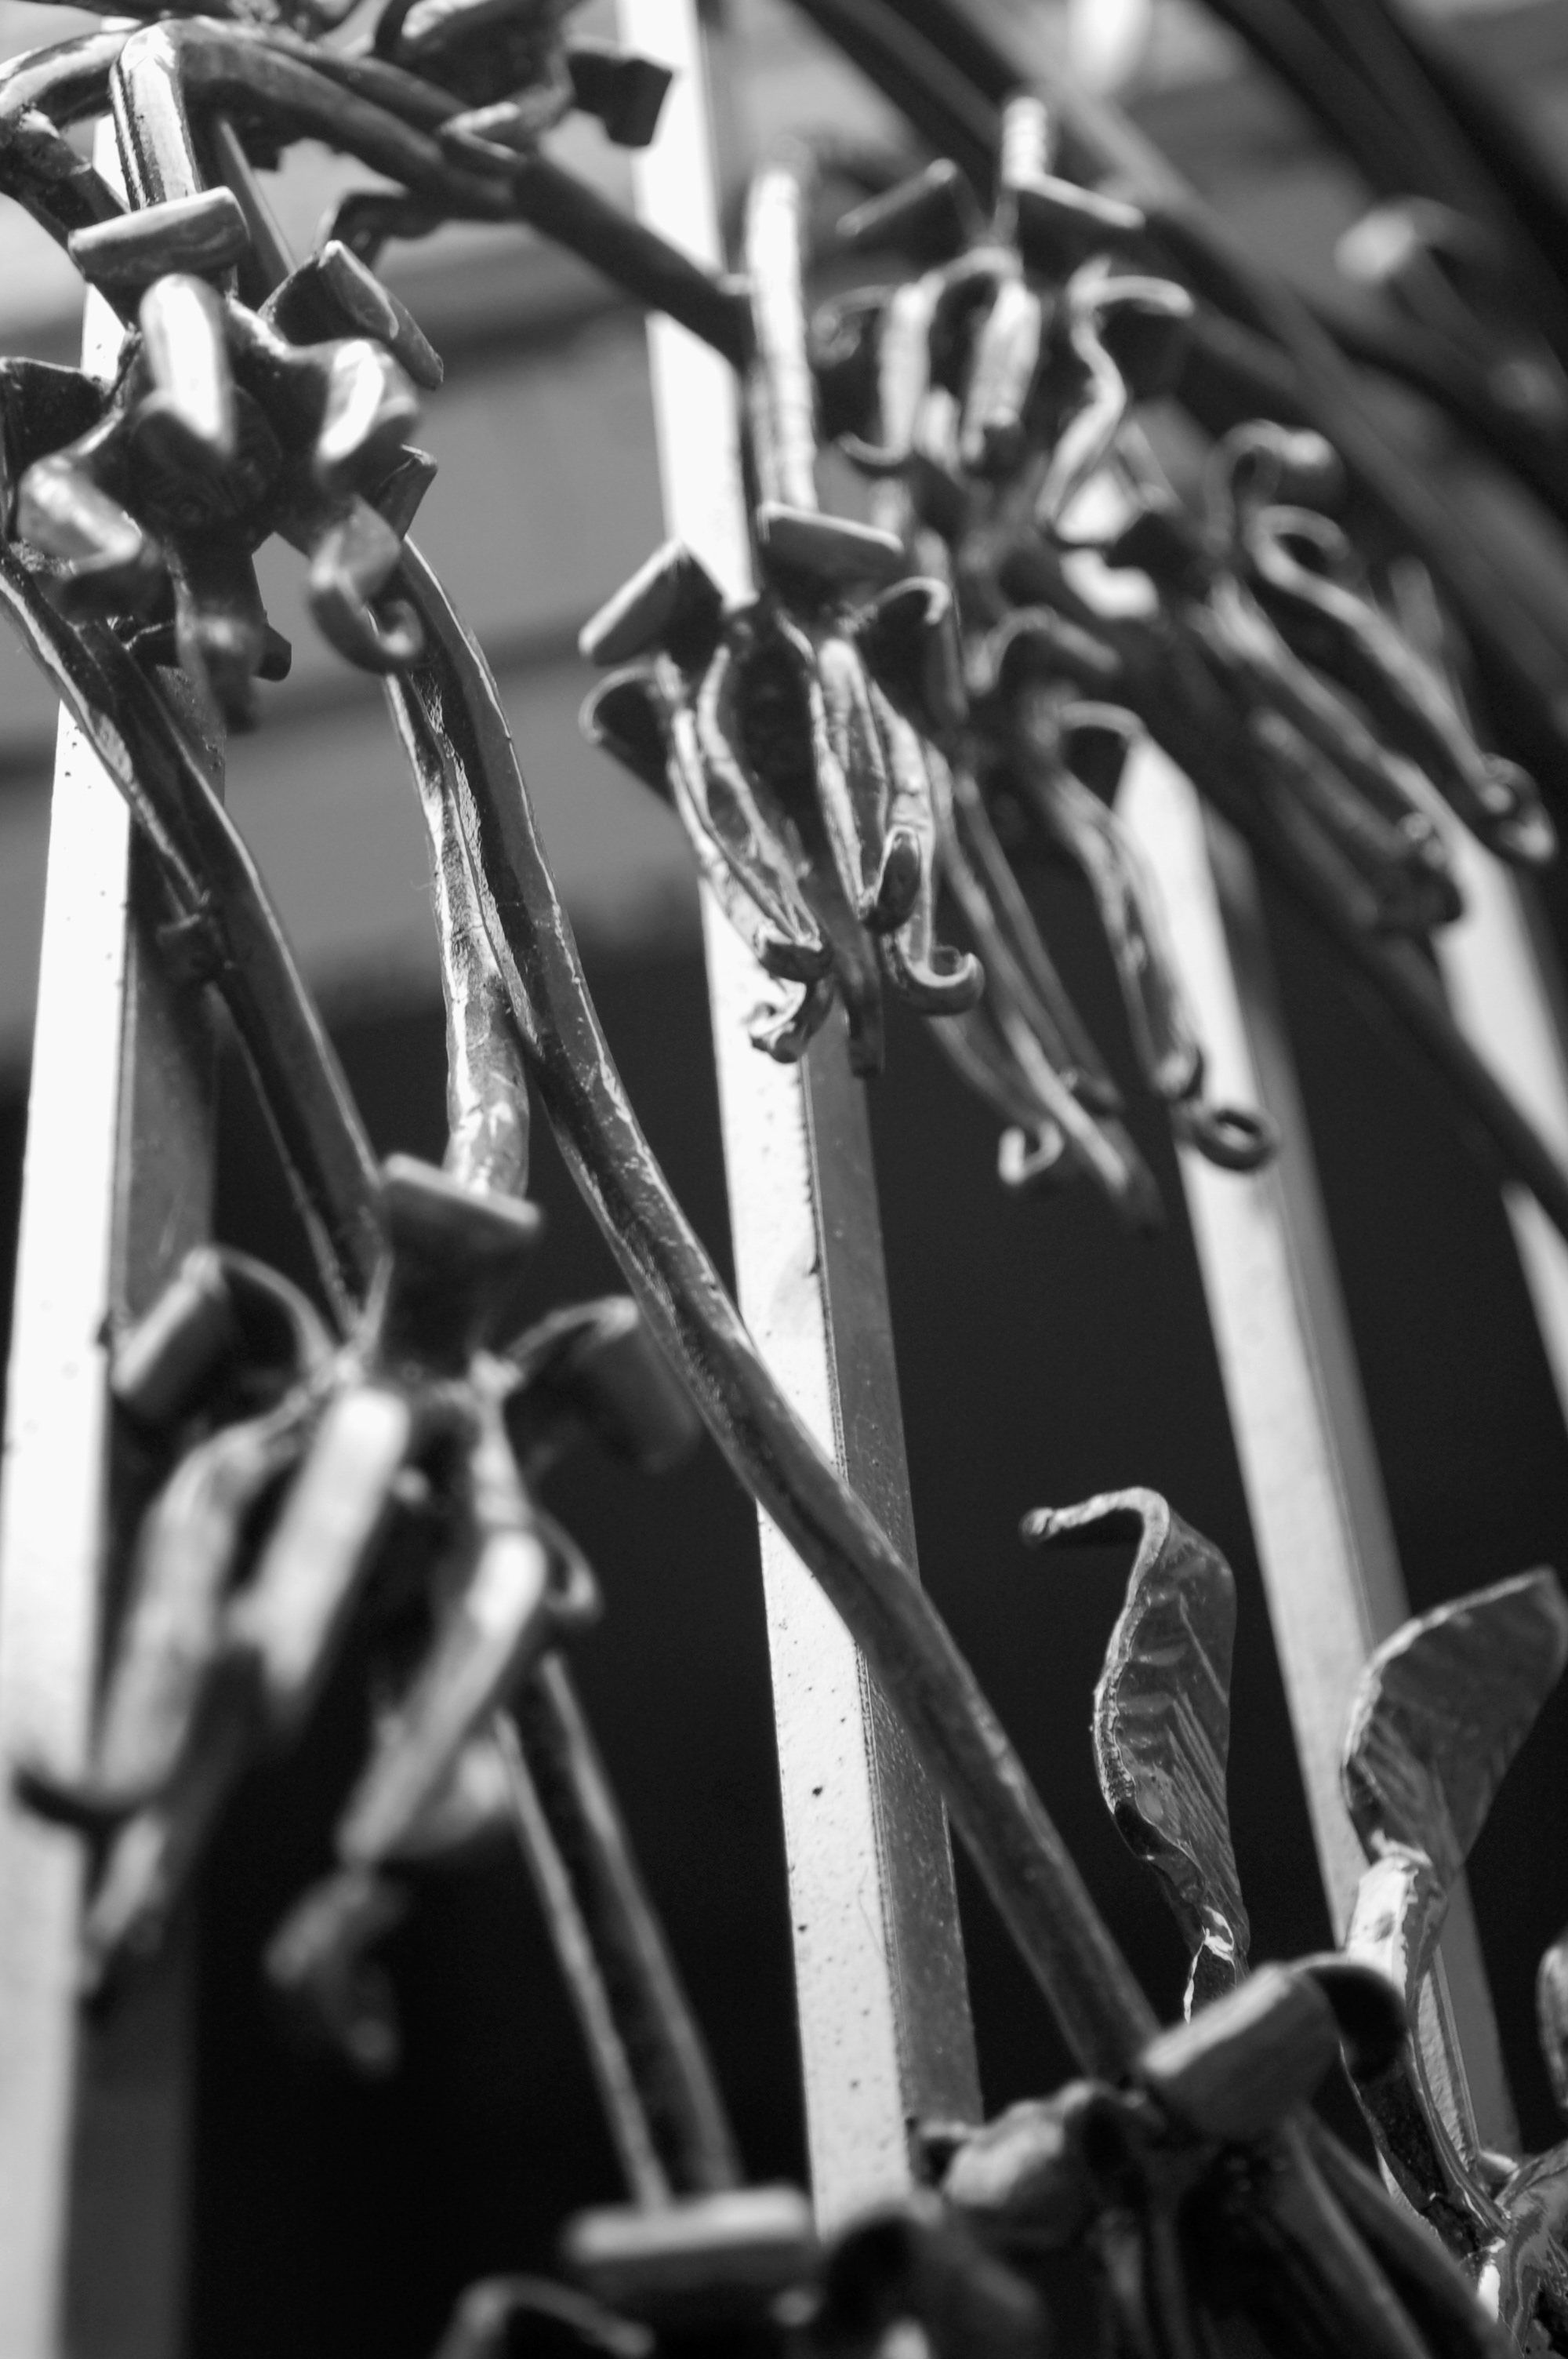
pixel 867 1688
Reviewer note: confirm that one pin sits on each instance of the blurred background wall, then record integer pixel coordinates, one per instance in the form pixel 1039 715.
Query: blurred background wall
pixel 1042 1355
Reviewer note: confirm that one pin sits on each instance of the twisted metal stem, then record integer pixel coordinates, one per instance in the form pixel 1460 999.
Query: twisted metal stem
pixel 449 716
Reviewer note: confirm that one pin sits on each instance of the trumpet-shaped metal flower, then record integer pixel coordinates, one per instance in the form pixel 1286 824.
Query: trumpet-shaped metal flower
pixel 822 756
pixel 388 1477
pixel 986 397
pixel 994 400
pixel 1029 337
pixel 224 426
pixel 287 412
pixel 796 735
pixel 788 735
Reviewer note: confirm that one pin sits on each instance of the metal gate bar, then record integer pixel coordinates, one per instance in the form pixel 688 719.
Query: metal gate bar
pixel 884 2012
pixel 1506 991
pixel 117 1185
pixel 1320 1519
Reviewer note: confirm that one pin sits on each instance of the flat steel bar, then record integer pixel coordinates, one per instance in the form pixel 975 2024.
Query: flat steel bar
pixel 1314 1492
pixel 117 1185
pixel 884 2013
pixel 1507 993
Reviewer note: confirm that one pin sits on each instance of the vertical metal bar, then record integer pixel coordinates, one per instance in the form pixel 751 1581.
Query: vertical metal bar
pixel 1505 983
pixel 1507 993
pixel 1326 1544
pixel 884 2023
pixel 117 1184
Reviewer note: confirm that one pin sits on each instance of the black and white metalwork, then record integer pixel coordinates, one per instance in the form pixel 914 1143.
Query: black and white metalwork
pixel 867 755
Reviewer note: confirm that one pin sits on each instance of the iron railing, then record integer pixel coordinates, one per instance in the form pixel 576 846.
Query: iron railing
pixel 277 397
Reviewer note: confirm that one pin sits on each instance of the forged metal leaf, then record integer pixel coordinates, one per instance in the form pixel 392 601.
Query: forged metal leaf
pixel 1442 1707
pixel 1162 1725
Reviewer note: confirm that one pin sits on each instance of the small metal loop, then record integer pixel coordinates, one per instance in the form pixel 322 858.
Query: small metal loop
pixel 1037 1158
pixel 1258 465
pixel 1234 1138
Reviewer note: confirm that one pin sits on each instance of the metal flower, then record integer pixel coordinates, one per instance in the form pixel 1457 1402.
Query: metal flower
pixel 994 403
pixel 992 388
pixel 823 750
pixel 390 1476
pixel 223 426
pixel 793 733
pixel 787 735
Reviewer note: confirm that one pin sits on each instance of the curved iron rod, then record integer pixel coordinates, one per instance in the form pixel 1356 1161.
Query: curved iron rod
pixel 656 2079
pixel 41 94
pixel 231 932
pixel 450 717
pixel 68 81
pixel 390 119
